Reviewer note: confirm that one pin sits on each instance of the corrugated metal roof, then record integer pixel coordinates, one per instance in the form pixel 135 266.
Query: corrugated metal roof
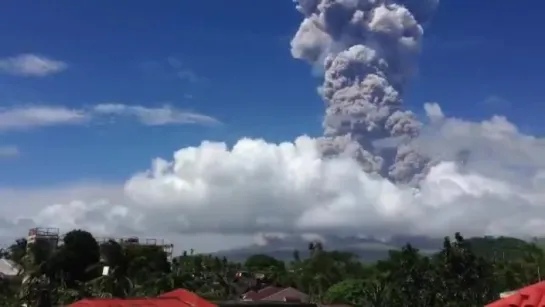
pixel 288 292
pixel 149 302
pixel 176 298
pixel 265 292
pixel 275 294
pixel 188 298
pixel 531 296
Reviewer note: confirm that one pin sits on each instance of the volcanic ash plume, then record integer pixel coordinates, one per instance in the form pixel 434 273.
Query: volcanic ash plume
pixel 368 50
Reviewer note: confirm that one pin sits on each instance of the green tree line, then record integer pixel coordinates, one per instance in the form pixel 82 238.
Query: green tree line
pixel 463 273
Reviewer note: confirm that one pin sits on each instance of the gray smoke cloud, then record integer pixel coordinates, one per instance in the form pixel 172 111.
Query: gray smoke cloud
pixel 368 50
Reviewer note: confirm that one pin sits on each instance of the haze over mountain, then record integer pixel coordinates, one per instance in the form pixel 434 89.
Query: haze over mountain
pixel 368 249
pixel 373 249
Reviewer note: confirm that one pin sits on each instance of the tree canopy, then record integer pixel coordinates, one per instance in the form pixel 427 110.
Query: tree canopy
pixel 463 273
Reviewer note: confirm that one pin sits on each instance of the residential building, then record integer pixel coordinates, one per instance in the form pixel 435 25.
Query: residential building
pixel 277 294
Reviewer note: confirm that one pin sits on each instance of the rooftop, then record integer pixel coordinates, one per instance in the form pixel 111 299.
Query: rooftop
pixel 8 268
pixel 531 296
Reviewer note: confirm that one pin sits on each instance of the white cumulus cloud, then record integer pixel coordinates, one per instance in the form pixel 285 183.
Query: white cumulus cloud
pixel 258 186
pixel 486 177
pixel 31 65
pixel 102 208
pixel 490 181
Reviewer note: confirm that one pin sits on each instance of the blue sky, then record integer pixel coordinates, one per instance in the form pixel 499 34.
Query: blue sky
pixel 480 58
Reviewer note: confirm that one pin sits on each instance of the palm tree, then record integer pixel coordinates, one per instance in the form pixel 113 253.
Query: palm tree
pixel 37 269
pixel 114 282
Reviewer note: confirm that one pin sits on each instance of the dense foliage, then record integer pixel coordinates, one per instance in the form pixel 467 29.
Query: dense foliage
pixel 464 273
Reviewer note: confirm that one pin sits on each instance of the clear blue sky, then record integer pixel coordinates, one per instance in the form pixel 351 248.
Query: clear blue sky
pixel 117 51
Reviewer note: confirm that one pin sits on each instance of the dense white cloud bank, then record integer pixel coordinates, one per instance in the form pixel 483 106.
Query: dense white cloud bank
pixel 494 187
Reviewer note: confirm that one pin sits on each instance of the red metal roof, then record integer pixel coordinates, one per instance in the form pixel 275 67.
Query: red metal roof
pixel 176 298
pixel 531 296
pixel 149 302
pixel 188 298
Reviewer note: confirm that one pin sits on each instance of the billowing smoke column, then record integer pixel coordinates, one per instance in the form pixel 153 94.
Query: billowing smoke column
pixel 368 49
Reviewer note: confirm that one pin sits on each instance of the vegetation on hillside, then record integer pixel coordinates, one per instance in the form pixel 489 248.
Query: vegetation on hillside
pixel 463 273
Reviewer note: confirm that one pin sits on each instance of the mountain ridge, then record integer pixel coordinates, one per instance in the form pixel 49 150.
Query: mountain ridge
pixel 370 249
pixel 366 248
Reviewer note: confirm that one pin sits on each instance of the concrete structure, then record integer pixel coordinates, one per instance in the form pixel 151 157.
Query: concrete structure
pixel 168 248
pixel 42 234
pixel 8 269
pixel 54 239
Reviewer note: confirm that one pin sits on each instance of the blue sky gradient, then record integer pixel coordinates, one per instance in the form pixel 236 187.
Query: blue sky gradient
pixel 231 62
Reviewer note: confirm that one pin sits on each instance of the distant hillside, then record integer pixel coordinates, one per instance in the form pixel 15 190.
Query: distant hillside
pixel 507 248
pixel 370 249
pixel 540 242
